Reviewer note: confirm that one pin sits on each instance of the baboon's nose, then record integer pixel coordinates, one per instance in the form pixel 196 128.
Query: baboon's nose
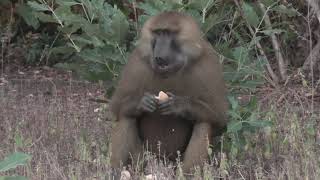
pixel 160 61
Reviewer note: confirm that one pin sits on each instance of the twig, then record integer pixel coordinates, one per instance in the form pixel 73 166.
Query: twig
pixel 311 64
pixel 51 46
pixel 313 57
pixel 104 101
pixel 274 78
pixel 2 56
pixel 135 13
pixel 85 11
pixel 281 62
pixel 315 7
pixel 53 164
pixel 61 24
pixel 6 39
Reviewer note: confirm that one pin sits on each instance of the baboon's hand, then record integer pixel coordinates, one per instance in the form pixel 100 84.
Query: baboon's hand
pixel 175 105
pixel 148 103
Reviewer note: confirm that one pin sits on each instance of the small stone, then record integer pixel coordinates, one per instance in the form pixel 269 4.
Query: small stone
pixel 125 175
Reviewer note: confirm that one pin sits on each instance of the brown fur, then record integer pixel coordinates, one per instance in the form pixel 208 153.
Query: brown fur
pixel 201 80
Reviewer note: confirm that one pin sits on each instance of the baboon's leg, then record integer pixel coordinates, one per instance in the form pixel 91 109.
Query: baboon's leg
pixel 125 142
pixel 197 149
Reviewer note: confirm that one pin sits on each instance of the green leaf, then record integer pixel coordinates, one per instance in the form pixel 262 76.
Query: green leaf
pixel 92 71
pixel 70 29
pixel 38 7
pixel 250 14
pixel 101 55
pixel 251 84
pixel 62 50
pixel 82 39
pixel 154 7
pixel 14 160
pixel 65 15
pixel 201 4
pixel 92 29
pixel 18 139
pixel 240 54
pixel 268 2
pixel 45 17
pixel 259 124
pixel 27 14
pixel 67 2
pixel 234 114
pixel 234 126
pixel 68 66
pixel 119 26
pixel 12 178
pixel 311 127
pixel 96 42
pixel 4 2
pixel 252 103
pixel 96 8
pixel 282 9
pixel 234 148
pixel 269 32
pixel 255 40
pixel 234 103
pixel 150 10
pixel 211 21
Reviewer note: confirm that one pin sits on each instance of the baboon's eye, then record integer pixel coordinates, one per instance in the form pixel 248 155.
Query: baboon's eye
pixel 156 32
pixel 161 32
pixel 174 45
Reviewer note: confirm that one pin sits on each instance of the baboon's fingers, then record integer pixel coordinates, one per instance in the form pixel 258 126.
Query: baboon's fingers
pixel 150 100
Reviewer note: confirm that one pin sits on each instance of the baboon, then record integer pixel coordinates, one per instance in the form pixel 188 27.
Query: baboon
pixel 171 56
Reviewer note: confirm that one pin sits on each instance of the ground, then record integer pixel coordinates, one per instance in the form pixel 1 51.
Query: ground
pixel 50 115
pixel 53 120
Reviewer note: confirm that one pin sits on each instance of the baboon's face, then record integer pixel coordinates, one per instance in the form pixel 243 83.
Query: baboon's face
pixel 167 57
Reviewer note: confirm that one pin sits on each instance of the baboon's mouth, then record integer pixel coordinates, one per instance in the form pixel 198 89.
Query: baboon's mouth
pixel 163 66
pixel 162 63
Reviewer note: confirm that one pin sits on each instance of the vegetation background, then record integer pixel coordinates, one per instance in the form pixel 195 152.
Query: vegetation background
pixel 60 59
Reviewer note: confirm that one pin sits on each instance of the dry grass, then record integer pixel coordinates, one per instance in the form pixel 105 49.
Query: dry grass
pixel 67 135
pixel 57 125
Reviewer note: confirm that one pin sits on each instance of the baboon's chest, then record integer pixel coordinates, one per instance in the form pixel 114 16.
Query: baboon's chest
pixel 170 134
